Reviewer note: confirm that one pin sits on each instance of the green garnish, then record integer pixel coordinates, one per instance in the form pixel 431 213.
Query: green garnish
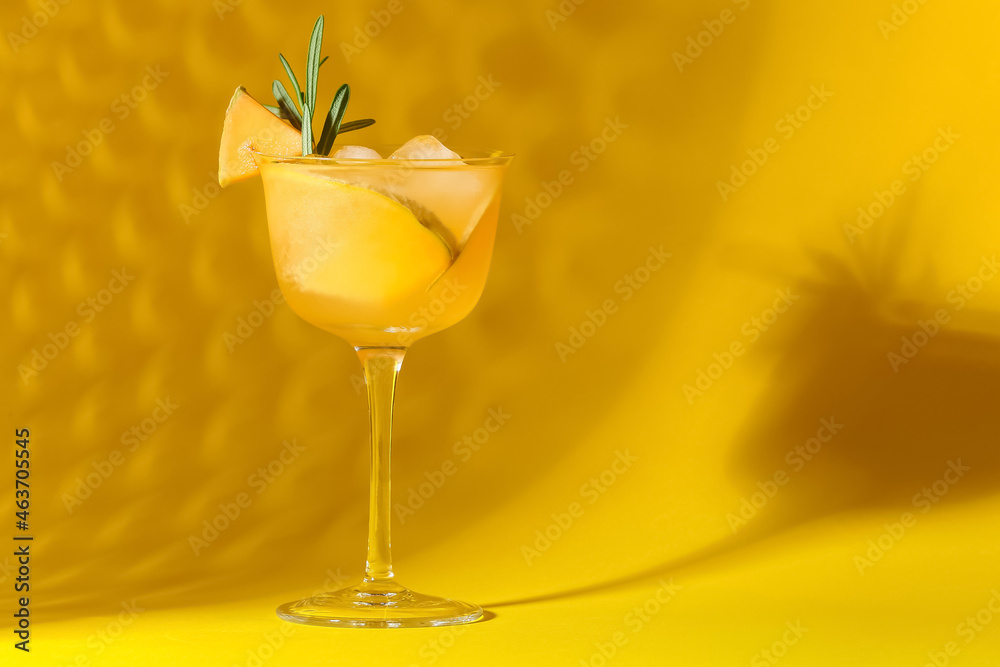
pixel 332 124
pixel 355 125
pixel 301 109
pixel 291 76
pixel 287 105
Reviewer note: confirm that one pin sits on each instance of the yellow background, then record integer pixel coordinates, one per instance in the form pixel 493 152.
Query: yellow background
pixel 665 517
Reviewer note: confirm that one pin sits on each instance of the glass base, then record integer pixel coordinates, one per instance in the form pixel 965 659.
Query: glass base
pixel 379 605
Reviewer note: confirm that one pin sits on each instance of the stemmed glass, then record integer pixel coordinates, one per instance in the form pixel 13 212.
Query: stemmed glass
pixel 381 252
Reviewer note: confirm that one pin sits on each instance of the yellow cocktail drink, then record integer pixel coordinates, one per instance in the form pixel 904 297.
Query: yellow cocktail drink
pixel 382 252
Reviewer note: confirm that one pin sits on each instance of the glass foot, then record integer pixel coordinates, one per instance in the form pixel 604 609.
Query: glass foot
pixel 379 605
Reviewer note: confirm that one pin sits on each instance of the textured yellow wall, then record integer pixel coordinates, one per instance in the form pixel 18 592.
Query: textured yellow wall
pixel 745 159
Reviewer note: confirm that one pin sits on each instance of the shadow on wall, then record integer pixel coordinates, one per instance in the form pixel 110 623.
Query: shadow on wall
pixel 907 431
pixel 915 395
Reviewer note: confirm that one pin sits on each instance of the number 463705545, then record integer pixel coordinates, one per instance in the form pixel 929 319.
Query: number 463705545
pixel 21 474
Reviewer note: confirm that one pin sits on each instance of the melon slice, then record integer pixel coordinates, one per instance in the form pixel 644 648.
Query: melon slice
pixel 249 126
pixel 348 242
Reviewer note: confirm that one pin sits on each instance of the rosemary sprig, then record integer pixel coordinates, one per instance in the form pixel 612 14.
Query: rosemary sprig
pixel 301 109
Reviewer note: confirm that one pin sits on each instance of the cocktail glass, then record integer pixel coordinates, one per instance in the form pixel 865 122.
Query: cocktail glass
pixel 381 252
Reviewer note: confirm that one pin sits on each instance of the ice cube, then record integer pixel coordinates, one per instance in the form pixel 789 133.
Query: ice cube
pixel 424 147
pixel 356 153
pixel 448 201
pixel 360 174
pixel 458 197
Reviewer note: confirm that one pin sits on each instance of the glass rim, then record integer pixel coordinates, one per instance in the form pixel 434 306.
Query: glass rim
pixel 469 157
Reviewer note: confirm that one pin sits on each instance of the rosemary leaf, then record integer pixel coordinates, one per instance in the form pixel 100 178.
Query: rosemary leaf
pixel 291 77
pixel 312 65
pixel 307 139
pixel 284 101
pixel 331 126
pixel 356 125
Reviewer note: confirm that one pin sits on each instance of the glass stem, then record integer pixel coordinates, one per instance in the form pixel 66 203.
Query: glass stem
pixel 381 366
